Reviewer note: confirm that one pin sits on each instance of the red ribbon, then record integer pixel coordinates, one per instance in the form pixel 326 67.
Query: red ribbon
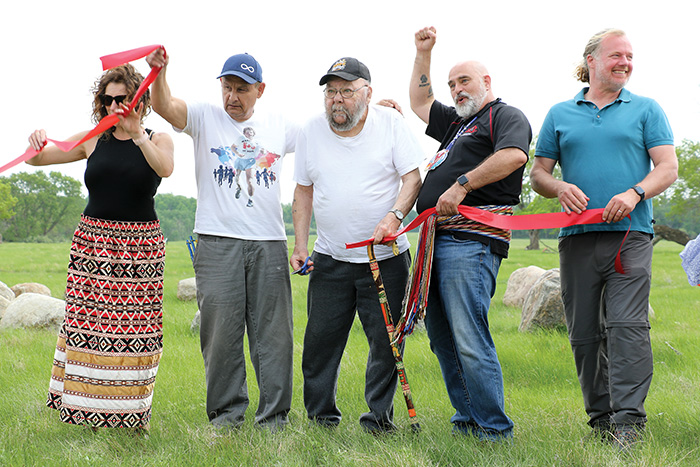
pixel 108 61
pixel 523 222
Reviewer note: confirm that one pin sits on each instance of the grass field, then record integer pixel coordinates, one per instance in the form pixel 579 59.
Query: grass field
pixel 542 392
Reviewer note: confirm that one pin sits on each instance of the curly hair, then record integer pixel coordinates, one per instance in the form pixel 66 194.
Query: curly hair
pixel 123 74
pixel 582 73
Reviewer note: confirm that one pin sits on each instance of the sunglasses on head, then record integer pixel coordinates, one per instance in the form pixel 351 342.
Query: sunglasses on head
pixel 107 99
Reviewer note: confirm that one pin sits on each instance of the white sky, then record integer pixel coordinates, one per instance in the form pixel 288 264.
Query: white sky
pixel 51 56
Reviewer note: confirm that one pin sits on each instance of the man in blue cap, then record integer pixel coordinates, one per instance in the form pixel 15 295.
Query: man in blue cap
pixel 241 257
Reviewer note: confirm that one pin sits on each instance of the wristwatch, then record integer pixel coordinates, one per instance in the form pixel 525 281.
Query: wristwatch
pixel 464 181
pixel 399 215
pixel 639 191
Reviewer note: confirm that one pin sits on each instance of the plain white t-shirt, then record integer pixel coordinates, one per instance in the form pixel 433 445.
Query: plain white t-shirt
pixel 355 180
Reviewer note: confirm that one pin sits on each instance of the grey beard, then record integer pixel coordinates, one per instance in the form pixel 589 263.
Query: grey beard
pixel 351 119
pixel 470 107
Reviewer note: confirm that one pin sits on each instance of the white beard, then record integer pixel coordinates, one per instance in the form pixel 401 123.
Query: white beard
pixel 473 103
pixel 351 118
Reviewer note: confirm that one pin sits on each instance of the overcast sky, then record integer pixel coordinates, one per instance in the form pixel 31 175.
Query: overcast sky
pixel 51 57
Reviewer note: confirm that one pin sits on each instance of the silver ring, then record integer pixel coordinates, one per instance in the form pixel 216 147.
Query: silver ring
pixel 619 210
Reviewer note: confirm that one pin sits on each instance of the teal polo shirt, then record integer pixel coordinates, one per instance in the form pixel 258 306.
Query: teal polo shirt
pixel 605 151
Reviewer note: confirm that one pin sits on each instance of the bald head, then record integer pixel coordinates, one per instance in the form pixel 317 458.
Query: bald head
pixel 470 86
pixel 470 67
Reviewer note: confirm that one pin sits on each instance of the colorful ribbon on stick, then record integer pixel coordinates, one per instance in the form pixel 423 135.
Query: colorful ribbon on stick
pixel 108 61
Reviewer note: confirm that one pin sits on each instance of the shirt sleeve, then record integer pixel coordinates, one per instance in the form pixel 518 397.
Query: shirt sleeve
pixel 194 119
pixel 291 134
pixel 511 130
pixel 301 175
pixel 407 153
pixel 657 129
pixel 547 142
pixel 441 116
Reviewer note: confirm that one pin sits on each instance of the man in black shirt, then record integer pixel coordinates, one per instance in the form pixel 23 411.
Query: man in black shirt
pixel 482 156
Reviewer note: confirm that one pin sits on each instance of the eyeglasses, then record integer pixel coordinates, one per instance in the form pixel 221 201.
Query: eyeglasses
pixel 107 99
pixel 346 93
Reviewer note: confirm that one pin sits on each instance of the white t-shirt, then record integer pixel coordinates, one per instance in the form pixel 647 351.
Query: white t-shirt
pixel 219 212
pixel 356 180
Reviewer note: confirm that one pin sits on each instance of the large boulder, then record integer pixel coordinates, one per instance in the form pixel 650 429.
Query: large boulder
pixel 31 287
pixel 543 307
pixel 196 322
pixel 4 303
pixel 31 310
pixel 519 284
pixel 187 289
pixel 6 291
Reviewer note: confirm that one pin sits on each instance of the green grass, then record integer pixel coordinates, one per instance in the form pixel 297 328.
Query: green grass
pixel 542 392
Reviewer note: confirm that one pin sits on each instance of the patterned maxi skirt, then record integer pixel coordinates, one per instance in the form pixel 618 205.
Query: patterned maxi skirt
pixel 111 339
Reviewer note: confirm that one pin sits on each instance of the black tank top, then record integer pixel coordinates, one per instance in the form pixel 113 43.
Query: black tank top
pixel 121 185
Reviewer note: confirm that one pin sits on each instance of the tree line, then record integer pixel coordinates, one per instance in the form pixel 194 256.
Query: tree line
pixel 36 207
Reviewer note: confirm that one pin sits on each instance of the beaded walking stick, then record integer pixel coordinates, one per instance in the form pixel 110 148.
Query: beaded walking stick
pixel 384 303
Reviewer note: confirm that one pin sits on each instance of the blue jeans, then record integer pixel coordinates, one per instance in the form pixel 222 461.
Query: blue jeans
pixel 462 284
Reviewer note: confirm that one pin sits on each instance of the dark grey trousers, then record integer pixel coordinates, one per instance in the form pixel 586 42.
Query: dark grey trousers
pixel 244 284
pixel 336 290
pixel 608 323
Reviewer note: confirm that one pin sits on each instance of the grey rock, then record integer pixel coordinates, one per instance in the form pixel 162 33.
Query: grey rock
pixel 4 303
pixel 187 289
pixel 6 292
pixel 196 322
pixel 31 287
pixel 519 284
pixel 543 306
pixel 31 310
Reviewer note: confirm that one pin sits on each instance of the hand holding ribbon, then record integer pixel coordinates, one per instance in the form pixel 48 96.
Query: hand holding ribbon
pixel 522 222
pixel 108 61
pixel 415 302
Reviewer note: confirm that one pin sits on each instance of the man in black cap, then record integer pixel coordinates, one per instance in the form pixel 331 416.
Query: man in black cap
pixel 356 168
pixel 241 257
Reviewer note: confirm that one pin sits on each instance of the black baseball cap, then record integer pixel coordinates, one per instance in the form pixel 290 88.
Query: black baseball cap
pixel 347 68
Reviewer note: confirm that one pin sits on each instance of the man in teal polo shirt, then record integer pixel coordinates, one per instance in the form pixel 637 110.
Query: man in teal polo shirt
pixel 606 141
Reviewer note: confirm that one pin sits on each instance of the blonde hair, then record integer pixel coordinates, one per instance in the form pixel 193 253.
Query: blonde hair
pixel 593 48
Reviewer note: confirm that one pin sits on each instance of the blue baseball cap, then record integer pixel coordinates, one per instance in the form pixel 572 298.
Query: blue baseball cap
pixel 244 66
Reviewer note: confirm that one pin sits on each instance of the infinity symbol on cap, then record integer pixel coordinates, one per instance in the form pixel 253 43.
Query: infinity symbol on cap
pixel 248 68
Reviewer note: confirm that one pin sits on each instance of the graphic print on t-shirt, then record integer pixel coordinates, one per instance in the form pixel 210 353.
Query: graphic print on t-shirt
pixel 243 156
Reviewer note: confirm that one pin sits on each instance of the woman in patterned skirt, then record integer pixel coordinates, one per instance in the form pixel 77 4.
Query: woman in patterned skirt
pixel 111 339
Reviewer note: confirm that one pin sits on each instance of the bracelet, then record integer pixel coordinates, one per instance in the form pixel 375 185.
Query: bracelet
pixel 139 141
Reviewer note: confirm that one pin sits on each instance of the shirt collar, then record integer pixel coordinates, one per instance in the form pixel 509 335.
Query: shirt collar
pixel 625 96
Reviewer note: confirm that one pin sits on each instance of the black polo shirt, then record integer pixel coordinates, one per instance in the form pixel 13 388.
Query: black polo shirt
pixel 497 126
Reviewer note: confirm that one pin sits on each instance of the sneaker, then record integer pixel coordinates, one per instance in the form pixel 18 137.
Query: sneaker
pixel 238 191
pixel 378 429
pixel 601 431
pixel 626 437
pixel 250 203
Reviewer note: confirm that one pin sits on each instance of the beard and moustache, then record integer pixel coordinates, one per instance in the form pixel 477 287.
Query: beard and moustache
pixel 352 116
pixel 473 103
